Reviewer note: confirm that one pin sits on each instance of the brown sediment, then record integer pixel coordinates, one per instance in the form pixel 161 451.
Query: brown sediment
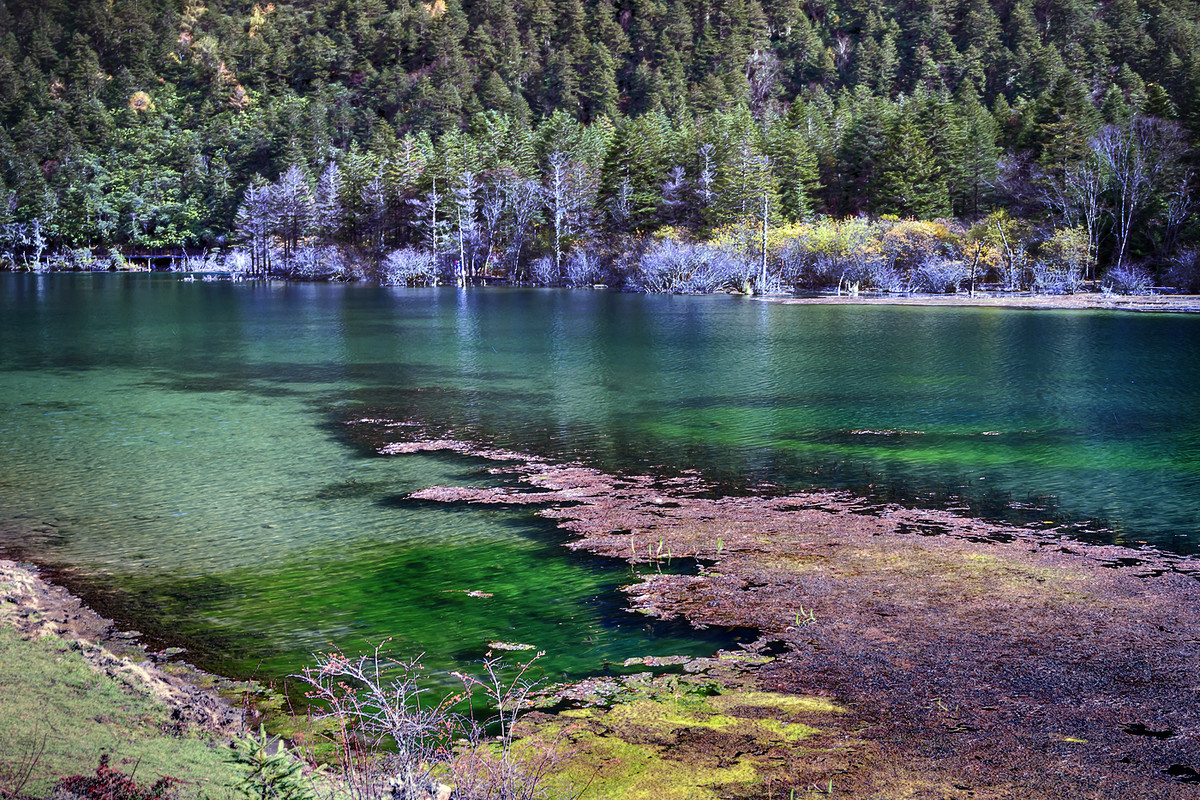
pixel 36 609
pixel 976 659
pixel 1170 303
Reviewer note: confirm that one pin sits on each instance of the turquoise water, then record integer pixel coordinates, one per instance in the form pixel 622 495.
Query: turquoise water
pixel 182 448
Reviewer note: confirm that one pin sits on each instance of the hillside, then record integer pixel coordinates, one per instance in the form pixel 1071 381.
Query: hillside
pixel 141 123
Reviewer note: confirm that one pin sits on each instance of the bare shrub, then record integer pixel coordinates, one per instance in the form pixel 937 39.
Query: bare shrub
pixel 387 742
pixel 84 260
pixel 1012 270
pixel 238 263
pixel 1062 260
pixel 494 769
pixel 316 262
pixel 409 267
pixel 673 266
pixel 582 268
pixel 205 262
pixel 881 274
pixel 1129 279
pixel 1183 270
pixel 940 275
pixel 796 263
pixel 1054 277
pixel 544 272
pixel 394 744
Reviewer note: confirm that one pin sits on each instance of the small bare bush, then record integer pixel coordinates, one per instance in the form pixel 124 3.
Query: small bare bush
pixel 544 272
pixel 882 275
pixel 940 275
pixel 1129 279
pixel 388 742
pixel 1183 270
pixel 394 741
pixel 493 769
pixel 674 266
pixel 582 268
pixel 1053 277
pixel 409 267
pixel 238 263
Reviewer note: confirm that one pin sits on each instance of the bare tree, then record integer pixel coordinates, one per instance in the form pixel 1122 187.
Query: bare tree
pixel 34 237
pixel 621 209
pixel 374 197
pixel 524 200
pixel 1138 157
pixel 706 184
pixel 254 225
pixel 570 193
pixel 493 213
pixel 1078 197
pixel 467 213
pixel 328 213
pixel 762 73
pixel 674 194
pixel 1180 207
pixel 431 220
pixel 292 207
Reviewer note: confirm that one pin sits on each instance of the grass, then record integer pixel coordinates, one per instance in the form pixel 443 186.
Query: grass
pixel 58 715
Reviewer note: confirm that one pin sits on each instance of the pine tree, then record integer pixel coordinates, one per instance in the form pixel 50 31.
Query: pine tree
pixel 910 181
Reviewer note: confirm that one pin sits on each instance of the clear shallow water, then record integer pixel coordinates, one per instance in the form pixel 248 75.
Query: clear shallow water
pixel 183 444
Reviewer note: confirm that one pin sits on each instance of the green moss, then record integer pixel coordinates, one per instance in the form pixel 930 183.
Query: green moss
pixel 671 740
pixel 783 703
pixel 611 767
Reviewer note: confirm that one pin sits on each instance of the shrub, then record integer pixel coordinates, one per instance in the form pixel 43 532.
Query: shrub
pixel 112 784
pixel 544 272
pixel 391 744
pixel 674 266
pixel 883 276
pixel 1183 270
pixel 314 262
pixel 238 263
pixel 409 267
pixel 385 736
pixel 582 268
pixel 1061 262
pixel 940 275
pixel 1129 279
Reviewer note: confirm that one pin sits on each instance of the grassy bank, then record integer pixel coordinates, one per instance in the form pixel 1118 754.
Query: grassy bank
pixel 58 714
pixel 71 691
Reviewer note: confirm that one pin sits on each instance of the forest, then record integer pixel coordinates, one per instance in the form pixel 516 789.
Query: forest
pixel 655 145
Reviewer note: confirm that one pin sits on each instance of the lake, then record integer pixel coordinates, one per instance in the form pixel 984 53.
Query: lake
pixel 180 450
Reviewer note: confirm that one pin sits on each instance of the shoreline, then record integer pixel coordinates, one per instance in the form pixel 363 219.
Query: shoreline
pixel 1143 303
pixel 38 609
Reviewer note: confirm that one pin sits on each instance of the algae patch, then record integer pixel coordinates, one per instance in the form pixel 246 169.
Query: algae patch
pixel 675 739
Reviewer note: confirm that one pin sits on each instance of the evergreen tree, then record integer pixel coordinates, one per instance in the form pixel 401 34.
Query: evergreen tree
pixel 910 181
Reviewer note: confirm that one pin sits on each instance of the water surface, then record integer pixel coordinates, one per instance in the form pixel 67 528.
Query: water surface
pixel 184 446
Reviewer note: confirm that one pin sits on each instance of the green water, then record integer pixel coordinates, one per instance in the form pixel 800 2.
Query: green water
pixel 183 447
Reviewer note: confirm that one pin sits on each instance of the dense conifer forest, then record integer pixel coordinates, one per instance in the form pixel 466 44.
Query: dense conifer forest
pixel 663 145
